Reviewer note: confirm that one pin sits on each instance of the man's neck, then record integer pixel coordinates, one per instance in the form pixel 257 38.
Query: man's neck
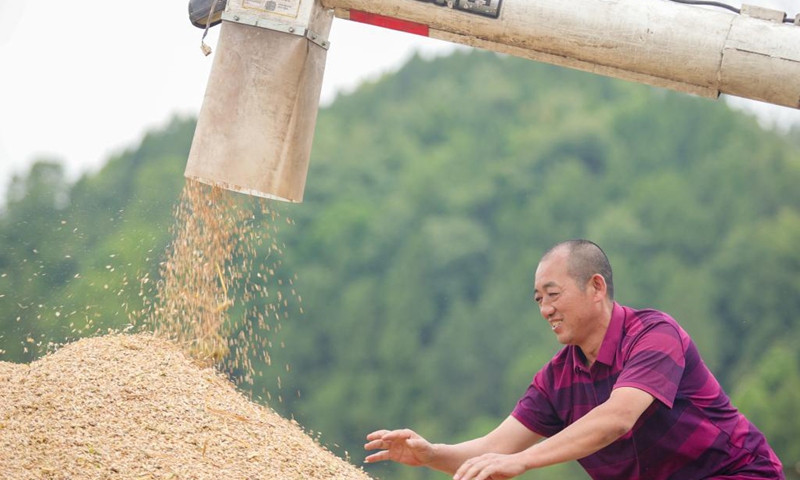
pixel 591 347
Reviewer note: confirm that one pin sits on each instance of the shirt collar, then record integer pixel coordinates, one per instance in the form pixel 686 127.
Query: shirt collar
pixel 611 340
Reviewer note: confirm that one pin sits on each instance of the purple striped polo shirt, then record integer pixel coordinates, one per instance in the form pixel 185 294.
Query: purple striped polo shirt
pixel 690 432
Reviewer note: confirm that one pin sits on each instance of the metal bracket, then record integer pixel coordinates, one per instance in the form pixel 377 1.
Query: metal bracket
pixel 487 8
pixel 256 21
pixel 762 13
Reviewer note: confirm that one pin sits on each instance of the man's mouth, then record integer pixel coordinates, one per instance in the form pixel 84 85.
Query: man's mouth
pixel 555 325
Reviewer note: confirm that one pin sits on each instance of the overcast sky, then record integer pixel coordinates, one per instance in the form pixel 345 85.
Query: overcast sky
pixel 80 81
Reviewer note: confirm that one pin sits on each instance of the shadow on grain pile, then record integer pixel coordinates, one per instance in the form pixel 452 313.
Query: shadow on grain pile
pixel 136 407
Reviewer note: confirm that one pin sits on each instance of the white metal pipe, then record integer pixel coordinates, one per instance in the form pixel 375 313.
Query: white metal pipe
pixel 256 126
pixel 255 129
pixel 699 51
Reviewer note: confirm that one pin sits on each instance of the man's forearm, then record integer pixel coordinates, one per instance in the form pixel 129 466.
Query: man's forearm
pixel 577 441
pixel 447 458
pixel 509 437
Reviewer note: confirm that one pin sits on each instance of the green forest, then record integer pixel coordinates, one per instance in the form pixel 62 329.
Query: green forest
pixel 432 193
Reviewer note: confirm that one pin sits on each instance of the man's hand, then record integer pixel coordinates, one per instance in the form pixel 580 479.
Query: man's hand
pixel 492 466
pixel 408 448
pixel 401 446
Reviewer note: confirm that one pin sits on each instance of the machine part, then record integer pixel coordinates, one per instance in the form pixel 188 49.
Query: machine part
pixel 257 21
pixel 389 22
pixel 767 14
pixel 660 43
pixel 199 11
pixel 489 8
pixel 256 126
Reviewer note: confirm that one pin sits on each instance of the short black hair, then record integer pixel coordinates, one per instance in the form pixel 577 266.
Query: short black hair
pixel 584 259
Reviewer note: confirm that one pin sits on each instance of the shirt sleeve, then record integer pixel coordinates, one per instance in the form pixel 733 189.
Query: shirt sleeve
pixel 535 410
pixel 655 363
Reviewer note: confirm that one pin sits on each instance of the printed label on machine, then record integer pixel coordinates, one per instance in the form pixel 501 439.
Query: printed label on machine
pixel 487 8
pixel 287 8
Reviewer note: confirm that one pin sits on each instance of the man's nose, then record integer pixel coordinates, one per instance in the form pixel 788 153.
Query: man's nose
pixel 546 310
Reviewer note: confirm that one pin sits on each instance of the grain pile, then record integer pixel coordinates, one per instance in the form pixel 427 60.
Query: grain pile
pixel 156 405
pixel 136 407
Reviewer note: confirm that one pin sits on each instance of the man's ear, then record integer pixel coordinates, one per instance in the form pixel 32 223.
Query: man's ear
pixel 598 282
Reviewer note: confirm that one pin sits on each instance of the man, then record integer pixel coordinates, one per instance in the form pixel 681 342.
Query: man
pixel 628 397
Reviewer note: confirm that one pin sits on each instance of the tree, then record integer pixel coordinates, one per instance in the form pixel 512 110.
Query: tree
pixel 769 394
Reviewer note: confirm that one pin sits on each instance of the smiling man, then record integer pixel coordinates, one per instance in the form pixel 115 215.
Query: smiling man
pixel 628 396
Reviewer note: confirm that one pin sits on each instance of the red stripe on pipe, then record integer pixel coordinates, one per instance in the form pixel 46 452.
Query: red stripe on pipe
pixel 389 22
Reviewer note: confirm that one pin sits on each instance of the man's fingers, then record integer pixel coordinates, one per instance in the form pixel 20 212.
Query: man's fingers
pixel 377 457
pixel 391 434
pixel 463 469
pixel 377 434
pixel 473 469
pixel 398 434
pixel 402 446
pixel 386 441
pixel 376 444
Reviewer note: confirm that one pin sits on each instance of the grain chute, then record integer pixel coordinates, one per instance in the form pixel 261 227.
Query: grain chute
pixel 256 125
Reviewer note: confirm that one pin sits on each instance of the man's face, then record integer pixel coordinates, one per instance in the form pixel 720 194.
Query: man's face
pixel 561 301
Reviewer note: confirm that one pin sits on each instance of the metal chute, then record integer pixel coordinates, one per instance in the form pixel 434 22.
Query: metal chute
pixel 256 125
